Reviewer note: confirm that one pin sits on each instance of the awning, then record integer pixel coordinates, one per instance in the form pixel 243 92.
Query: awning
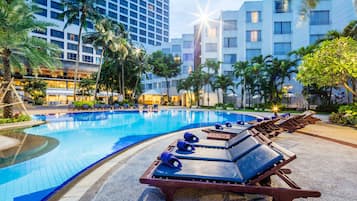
pixel 152 92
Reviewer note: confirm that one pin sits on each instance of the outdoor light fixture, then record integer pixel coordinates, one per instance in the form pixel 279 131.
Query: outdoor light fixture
pixel 275 109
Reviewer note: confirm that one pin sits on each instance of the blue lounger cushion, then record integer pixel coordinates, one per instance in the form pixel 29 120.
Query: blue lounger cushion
pixel 190 137
pixel 169 160
pixel 249 166
pixel 218 126
pixel 228 124
pixel 222 144
pixel 210 154
pixel 185 146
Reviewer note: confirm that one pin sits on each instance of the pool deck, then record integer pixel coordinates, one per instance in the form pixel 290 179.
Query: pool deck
pixel 321 165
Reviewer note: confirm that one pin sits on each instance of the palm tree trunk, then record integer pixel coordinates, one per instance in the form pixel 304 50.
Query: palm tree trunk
pixel 242 97
pixel 98 74
pixel 8 110
pixel 122 80
pixel 167 89
pixel 77 62
pixel 136 83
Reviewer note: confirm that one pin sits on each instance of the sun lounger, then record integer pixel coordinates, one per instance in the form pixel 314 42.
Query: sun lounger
pixel 244 176
pixel 215 154
pixel 222 144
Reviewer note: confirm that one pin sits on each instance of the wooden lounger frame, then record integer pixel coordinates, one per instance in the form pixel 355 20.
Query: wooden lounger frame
pixel 255 186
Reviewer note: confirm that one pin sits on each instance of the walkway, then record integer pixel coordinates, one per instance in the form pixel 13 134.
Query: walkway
pixel 321 165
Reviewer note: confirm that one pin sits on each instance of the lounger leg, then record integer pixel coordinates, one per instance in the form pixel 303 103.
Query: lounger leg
pixel 169 193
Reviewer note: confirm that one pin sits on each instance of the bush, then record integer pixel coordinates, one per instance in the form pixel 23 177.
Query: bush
pixel 17 118
pixel 327 108
pixel 219 105
pixel 83 104
pixel 346 115
pixel 229 105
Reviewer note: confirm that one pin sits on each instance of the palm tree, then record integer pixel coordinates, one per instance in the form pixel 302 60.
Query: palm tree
pixel 79 12
pixel 17 48
pixel 210 64
pixel 108 35
pixel 185 84
pixel 141 64
pixel 223 82
pixel 241 71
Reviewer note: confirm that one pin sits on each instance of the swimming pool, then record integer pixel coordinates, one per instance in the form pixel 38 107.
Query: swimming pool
pixel 86 138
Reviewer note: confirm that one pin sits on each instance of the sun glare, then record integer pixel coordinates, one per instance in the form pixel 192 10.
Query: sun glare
pixel 204 16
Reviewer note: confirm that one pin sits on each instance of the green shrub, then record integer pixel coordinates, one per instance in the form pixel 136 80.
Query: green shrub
pixel 346 115
pixel 17 118
pixel 327 108
pixel 229 105
pixel 80 104
pixel 219 105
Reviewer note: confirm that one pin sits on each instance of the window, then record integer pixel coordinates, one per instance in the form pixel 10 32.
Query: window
pixel 142 2
pixel 57 5
pixel 72 46
pixel 151 42
pixel 113 6
pixel 101 2
pixel 158 37
pixel 133 29
pixel 86 58
pixel 166 50
pixel 133 22
pixel 253 17
pixel 41 2
pixel 72 37
pixel 133 37
pixel 158 30
pixel 151 35
pixel 187 44
pixel 58 43
pixel 113 15
pixel 98 51
pixel 316 37
pixel 142 39
pixel 133 6
pixel 282 48
pixel 230 42
pixel 142 32
pixel 230 25
pixel 142 10
pixel 41 11
pixel 187 57
pixel 123 10
pixel 176 48
pixel 321 17
pixel 251 53
pixel 57 16
pixel 123 18
pixel 42 32
pixel 57 34
pixel 100 10
pixel 211 32
pixel 142 25
pixel 253 36
pixel 282 6
pixel 211 47
pixel 143 18
pixel 229 58
pixel 151 7
pixel 71 56
pixel 87 49
pixel 124 3
pixel 282 27
pixel 133 14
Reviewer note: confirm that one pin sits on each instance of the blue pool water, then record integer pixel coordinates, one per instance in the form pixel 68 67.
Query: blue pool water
pixel 86 138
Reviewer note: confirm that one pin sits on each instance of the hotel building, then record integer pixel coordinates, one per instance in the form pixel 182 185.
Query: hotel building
pixel 147 22
pixel 266 27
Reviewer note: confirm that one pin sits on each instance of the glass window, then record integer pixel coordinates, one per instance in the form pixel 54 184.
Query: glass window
pixel 151 7
pixel 72 37
pixel 143 18
pixel 142 39
pixel 321 17
pixel 188 57
pixel 98 51
pixel 113 15
pixel 142 2
pixel 229 58
pixel 72 46
pixel 230 42
pixel 86 58
pixel 158 30
pixel 124 3
pixel 282 48
pixel 101 2
pixel 71 56
pixel 251 53
pixel 41 11
pixel 253 36
pixel 58 43
pixel 282 27
pixel 142 32
pixel 57 16
pixel 133 37
pixel 211 47
pixel 230 25
pixel 41 2
pixel 151 28
pixel 166 50
pixel 253 17
pixel 151 42
pixel 87 49
pixel 151 35
pixel 187 44
pixel 133 29
pixel 113 6
pixel 57 34
pixel 142 10
pixel 176 48
pixel 43 32
pixel 158 37
pixel 123 18
pixel 316 37
pixel 123 10
pixel 133 6
pixel 56 5
pixel 133 14
pixel 133 22
pixel 282 6
pixel 100 10
pixel 142 25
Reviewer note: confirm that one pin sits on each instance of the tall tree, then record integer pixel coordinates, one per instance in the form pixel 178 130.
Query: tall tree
pixel 223 82
pixel 108 35
pixel 212 70
pixel 79 12
pixel 333 63
pixel 164 66
pixel 17 48
pixel 241 71
pixel 141 67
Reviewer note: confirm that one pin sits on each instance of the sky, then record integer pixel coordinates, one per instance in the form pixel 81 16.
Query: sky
pixel 184 13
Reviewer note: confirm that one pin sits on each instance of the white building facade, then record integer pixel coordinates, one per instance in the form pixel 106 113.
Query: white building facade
pixel 270 27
